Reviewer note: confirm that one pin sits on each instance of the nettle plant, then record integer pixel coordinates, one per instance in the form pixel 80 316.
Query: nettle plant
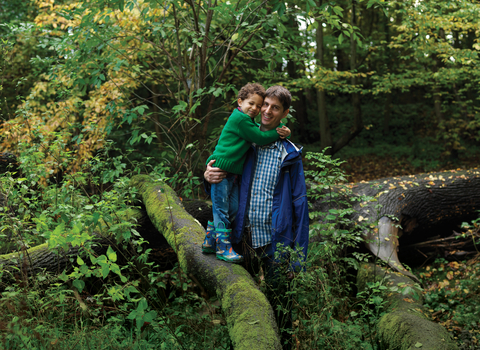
pixel 42 205
pixel 324 299
pixel 45 203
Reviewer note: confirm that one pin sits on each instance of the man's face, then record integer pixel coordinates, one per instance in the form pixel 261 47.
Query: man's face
pixel 272 112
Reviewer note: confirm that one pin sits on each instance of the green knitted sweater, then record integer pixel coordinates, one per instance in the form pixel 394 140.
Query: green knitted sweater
pixel 239 133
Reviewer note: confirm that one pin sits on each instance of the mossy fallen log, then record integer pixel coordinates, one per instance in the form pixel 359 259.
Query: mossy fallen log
pixel 41 258
pixel 405 325
pixel 413 207
pixel 249 316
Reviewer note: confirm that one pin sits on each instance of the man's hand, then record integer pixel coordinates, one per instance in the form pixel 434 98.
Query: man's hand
pixel 214 175
pixel 283 132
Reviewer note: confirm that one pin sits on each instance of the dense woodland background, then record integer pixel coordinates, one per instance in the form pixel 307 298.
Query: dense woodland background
pixel 371 79
pixel 94 91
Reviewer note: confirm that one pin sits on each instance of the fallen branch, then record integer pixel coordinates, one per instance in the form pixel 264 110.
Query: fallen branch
pixel 249 316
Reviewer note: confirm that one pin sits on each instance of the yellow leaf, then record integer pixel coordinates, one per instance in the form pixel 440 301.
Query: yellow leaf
pixel 450 275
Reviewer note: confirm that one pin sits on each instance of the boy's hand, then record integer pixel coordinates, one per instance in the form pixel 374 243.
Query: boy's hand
pixel 283 132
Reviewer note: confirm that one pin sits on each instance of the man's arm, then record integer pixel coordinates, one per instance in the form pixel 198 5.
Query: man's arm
pixel 214 175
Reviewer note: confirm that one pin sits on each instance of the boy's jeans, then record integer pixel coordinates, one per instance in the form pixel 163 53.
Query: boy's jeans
pixel 225 201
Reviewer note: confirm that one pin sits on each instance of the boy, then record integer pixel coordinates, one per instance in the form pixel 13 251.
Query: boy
pixel 239 133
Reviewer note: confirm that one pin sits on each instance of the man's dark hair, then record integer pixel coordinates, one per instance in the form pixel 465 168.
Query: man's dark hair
pixel 251 89
pixel 283 95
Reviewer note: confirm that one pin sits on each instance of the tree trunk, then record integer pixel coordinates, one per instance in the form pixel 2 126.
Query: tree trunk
pixel 387 114
pixel 298 103
pixel 423 205
pixel 325 134
pixel 41 258
pixel 156 120
pixel 403 324
pixel 357 113
pixel 250 317
pixel 437 103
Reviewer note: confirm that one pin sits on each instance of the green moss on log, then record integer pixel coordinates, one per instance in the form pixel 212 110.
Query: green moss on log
pixel 165 211
pixel 405 324
pixel 249 316
pixel 244 304
pixel 30 251
pixel 43 258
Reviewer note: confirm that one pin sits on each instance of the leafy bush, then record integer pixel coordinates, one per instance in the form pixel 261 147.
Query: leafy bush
pixel 119 294
pixel 327 313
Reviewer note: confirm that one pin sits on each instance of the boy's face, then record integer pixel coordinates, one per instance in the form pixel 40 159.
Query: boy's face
pixel 251 105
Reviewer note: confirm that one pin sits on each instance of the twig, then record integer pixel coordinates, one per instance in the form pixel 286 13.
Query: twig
pixel 83 306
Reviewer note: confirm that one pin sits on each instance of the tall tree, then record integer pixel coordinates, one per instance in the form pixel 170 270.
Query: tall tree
pixel 325 134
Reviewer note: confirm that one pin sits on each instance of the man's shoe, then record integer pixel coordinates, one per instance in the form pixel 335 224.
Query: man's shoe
pixel 209 244
pixel 225 251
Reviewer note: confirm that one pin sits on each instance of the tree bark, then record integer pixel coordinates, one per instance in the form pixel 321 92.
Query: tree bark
pixel 325 134
pixel 421 205
pixel 41 258
pixel 298 97
pixel 357 112
pixel 249 316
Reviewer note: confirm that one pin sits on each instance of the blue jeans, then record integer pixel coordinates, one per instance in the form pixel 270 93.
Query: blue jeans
pixel 225 201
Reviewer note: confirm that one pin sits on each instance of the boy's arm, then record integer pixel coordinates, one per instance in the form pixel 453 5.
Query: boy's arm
pixel 249 131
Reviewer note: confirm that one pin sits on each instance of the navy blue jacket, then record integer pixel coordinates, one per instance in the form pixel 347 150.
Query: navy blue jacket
pixel 290 207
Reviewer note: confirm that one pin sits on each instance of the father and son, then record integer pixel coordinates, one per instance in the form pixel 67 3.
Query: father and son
pixel 257 185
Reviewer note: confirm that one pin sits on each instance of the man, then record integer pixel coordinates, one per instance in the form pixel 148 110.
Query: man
pixel 273 208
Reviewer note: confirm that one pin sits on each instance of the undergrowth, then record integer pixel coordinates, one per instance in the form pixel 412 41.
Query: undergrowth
pixel 117 298
pixel 328 312
pixel 108 298
pixel 452 296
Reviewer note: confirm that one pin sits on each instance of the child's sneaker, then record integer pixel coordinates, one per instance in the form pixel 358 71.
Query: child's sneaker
pixel 225 251
pixel 208 246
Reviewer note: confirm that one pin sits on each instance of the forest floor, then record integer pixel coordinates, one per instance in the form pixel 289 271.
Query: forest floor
pixel 451 287
pixel 371 167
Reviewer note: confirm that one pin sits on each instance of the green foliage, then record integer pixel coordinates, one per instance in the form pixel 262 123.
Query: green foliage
pixel 323 295
pixel 451 294
pixel 36 317
pixel 118 293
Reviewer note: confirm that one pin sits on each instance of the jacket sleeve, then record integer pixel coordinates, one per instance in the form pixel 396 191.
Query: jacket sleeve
pixel 249 131
pixel 300 211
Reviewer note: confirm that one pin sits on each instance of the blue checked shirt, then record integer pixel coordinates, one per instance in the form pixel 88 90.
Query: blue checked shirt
pixel 267 170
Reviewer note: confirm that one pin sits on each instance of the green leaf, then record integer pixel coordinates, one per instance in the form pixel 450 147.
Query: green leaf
pixel 105 270
pixel 80 261
pixel 149 316
pixel 340 38
pixel 418 345
pixel 217 92
pixel 338 10
pixel 112 256
pixel 79 284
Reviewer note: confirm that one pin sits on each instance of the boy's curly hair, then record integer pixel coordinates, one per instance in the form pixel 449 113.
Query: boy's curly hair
pixel 251 89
